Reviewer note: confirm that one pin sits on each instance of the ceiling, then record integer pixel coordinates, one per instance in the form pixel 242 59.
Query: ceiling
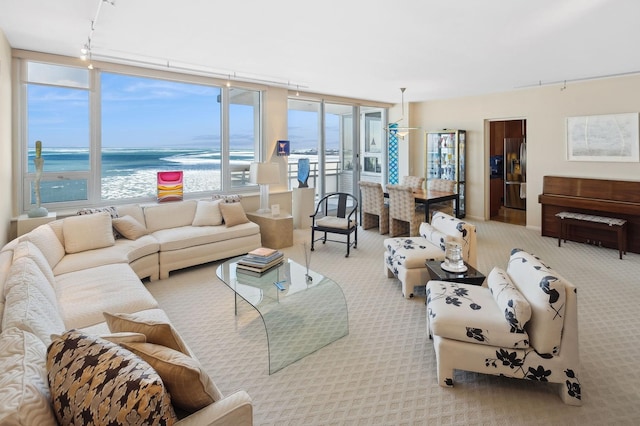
pixel 365 49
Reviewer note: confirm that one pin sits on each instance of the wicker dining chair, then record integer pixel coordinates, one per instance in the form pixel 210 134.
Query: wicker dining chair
pixel 403 216
pixel 375 213
pixel 445 186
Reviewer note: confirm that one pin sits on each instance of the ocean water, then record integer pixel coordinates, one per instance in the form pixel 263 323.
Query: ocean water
pixel 132 173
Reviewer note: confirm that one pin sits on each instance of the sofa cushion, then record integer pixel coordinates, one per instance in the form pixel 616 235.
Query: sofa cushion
pixel 158 332
pixel 411 252
pixel 208 213
pixel 233 214
pixel 545 291
pixel 24 390
pixel 113 288
pixel 28 249
pixel 434 236
pixel 169 215
pixel 189 385
pixel 98 382
pixel 47 241
pixel 123 251
pixel 129 227
pixel 87 232
pixel 516 308
pixel 191 236
pixel 469 313
pixel 31 302
pixel 111 210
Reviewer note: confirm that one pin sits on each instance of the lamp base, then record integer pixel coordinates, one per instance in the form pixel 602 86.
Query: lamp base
pixel 264 211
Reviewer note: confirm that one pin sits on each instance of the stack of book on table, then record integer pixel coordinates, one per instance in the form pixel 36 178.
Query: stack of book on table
pixel 259 260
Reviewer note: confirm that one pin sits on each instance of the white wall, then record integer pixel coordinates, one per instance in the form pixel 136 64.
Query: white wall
pixel 545 109
pixel 6 179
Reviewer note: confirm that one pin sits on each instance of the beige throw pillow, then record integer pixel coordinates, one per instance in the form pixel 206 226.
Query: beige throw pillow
pixel 188 384
pixel 233 214
pixel 129 228
pixel 87 232
pixel 208 213
pixel 158 332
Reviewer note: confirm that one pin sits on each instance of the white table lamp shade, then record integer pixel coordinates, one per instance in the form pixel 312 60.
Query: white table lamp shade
pixel 263 174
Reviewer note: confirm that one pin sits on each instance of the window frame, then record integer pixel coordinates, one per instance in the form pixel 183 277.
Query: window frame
pixel 94 175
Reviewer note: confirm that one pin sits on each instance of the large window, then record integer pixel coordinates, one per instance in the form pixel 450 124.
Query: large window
pixel 106 142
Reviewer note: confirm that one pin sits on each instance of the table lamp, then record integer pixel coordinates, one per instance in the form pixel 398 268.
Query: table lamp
pixel 263 174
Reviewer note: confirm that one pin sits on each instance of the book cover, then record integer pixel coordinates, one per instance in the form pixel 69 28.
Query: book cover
pixel 262 251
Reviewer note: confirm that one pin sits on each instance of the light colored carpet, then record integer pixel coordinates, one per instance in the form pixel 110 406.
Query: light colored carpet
pixel 384 371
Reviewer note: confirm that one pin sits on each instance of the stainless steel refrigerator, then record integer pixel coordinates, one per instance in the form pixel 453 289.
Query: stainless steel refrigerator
pixel 515 173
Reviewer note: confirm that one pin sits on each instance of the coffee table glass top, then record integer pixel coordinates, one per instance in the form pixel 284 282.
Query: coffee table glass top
pixel 303 317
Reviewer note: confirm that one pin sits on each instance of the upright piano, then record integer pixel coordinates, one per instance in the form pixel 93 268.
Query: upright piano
pixel 611 198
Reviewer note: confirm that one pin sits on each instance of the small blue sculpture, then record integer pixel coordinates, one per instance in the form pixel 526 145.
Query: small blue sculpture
pixel 303 172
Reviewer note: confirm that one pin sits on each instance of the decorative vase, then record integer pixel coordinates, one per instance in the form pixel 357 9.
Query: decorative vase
pixel 38 210
pixel 303 172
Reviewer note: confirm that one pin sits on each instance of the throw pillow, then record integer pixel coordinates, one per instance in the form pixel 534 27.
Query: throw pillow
pixel 111 210
pixel 94 381
pixel 24 391
pixel 190 387
pixel 233 214
pixel 208 213
pixel 87 232
pixel 435 237
pixel 129 228
pixel 512 303
pixel 227 198
pixel 124 337
pixel 158 332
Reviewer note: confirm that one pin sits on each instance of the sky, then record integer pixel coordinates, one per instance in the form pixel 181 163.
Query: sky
pixel 139 112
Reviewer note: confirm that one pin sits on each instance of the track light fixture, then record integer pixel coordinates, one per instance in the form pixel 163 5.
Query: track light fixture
pixel 85 51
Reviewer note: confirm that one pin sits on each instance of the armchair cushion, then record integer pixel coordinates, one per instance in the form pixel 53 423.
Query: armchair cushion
pixel 470 314
pixel 516 308
pixel 546 293
pixel 410 253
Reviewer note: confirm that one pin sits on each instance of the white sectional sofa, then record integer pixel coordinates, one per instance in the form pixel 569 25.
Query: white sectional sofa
pixel 67 274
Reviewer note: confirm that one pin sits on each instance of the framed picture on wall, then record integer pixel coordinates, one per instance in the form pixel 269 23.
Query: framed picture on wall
pixel 611 137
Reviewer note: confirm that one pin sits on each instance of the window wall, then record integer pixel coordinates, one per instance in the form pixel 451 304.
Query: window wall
pixel 326 133
pixel 105 135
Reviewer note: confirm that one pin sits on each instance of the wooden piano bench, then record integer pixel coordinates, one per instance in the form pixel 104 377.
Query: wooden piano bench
pixel 595 222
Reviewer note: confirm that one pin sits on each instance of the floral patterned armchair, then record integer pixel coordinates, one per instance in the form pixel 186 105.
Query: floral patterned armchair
pixel 523 325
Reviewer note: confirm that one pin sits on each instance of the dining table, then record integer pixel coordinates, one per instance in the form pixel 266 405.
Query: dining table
pixel 430 196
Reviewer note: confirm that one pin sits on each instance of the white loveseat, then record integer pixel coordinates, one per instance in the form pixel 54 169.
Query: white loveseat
pixel 524 324
pixel 405 257
pixel 66 274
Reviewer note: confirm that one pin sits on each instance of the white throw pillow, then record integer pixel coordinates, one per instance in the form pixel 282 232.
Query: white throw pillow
pixel 87 232
pixel 208 213
pixel 434 236
pixel 129 227
pixel 513 305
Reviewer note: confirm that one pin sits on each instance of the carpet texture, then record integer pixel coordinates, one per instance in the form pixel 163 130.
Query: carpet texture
pixel 384 371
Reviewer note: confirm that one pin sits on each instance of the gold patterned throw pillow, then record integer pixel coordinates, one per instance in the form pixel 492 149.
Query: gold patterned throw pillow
pixel 94 381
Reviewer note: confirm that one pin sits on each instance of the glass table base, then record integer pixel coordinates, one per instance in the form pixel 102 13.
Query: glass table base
pixel 305 316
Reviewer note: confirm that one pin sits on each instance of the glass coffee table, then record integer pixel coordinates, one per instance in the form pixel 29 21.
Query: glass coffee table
pixel 302 317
